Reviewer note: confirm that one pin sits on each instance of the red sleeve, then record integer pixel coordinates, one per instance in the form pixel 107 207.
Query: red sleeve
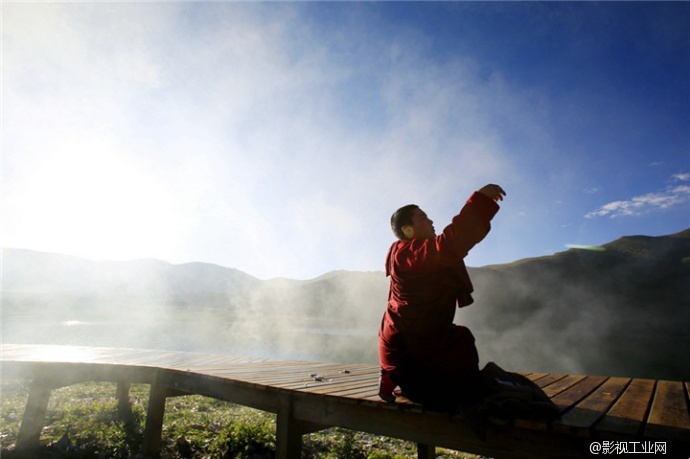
pixel 468 228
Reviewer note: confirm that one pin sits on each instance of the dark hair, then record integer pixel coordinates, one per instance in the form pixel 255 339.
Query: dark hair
pixel 402 217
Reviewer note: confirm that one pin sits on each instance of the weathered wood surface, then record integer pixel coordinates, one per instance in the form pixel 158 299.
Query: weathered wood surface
pixel 308 396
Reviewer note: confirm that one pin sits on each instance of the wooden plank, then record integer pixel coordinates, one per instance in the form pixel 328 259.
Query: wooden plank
pixel 425 451
pixel 627 416
pixel 350 398
pixel 153 429
pixel 200 362
pixel 357 393
pixel 669 417
pixel 401 403
pixel 342 388
pixel 545 380
pixel 576 392
pixel 555 383
pixel 438 429
pixel 581 418
pixel 565 391
pixel 271 364
pixel 241 365
pixel 372 398
pixel 250 376
pixel 535 376
pixel 29 434
pixel 258 372
pixel 365 379
pixel 124 406
pixel 126 356
pixel 321 380
pixel 123 356
pixel 150 358
pixel 303 369
pixel 330 379
pixel 332 389
pixel 561 384
pixel 288 433
pixel 267 366
pixel 298 376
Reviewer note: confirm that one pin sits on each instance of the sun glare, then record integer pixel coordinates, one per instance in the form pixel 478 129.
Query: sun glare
pixel 96 202
pixel 64 353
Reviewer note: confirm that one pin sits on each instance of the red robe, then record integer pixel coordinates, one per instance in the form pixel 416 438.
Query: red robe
pixel 420 349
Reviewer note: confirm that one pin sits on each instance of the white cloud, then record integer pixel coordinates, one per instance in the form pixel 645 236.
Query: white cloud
pixel 640 205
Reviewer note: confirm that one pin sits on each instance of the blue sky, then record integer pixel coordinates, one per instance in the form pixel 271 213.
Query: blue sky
pixel 277 138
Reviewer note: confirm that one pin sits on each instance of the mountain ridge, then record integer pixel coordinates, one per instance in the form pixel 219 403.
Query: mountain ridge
pixel 623 309
pixel 621 244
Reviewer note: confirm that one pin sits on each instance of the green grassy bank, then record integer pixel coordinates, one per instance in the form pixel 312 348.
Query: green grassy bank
pixel 83 422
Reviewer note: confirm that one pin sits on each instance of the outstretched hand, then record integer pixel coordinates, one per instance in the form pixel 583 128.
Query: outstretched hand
pixel 493 192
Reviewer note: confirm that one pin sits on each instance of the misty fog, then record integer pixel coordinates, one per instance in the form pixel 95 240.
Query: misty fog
pixel 575 312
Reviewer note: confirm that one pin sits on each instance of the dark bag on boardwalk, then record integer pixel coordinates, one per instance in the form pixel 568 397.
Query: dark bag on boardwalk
pixel 513 396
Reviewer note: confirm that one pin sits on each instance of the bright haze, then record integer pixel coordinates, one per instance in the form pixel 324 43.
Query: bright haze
pixel 277 138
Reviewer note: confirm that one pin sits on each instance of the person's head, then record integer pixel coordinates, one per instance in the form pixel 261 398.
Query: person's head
pixel 410 222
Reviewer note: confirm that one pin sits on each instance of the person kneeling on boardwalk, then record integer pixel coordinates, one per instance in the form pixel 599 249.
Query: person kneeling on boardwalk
pixel 432 360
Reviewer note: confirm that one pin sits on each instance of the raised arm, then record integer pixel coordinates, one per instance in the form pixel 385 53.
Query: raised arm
pixel 467 228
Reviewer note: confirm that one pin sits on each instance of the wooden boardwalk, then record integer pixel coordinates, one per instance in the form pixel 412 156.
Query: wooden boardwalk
pixel 600 415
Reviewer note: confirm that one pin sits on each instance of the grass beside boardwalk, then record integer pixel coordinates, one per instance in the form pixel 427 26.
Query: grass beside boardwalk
pixel 83 422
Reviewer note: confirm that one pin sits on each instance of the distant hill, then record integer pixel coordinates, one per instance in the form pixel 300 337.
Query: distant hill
pixel 623 309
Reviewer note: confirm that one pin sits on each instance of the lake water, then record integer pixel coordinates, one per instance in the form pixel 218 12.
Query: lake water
pixel 636 355
pixel 246 338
